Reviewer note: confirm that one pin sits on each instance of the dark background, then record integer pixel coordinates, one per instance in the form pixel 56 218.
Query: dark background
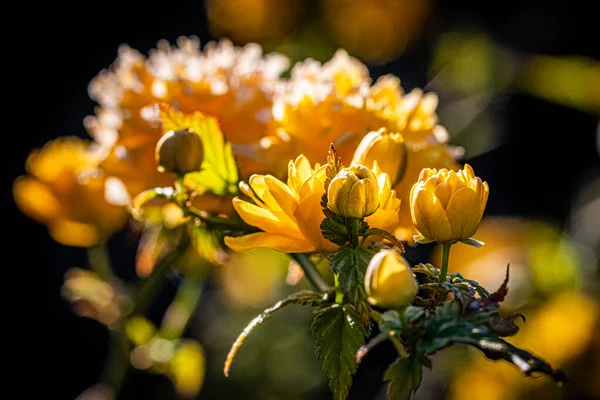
pixel 553 144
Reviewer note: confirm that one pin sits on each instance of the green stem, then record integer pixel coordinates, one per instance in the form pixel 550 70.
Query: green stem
pixel 219 221
pixel 445 257
pixel 180 311
pixel 118 361
pixel 339 296
pixel 99 260
pixel 150 286
pixel 311 273
pixel 180 190
pixel 354 225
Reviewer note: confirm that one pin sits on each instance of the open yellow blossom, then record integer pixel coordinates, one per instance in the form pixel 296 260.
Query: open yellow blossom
pixel 447 206
pixel 290 215
pixel 66 192
pixel 233 84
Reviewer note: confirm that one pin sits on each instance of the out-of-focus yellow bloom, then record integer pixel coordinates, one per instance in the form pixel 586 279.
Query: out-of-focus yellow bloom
pixel 179 152
pixel 233 84
pixel 66 192
pixel 290 215
pixel 251 20
pixel 389 281
pixel 381 29
pixel 336 102
pixel 569 319
pixel 187 368
pixel 353 192
pixel 93 297
pixel 252 279
pixel 447 206
pixel 387 149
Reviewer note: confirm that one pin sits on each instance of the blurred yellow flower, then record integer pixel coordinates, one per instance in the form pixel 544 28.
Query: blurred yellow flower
pixel 447 206
pixel 353 192
pixel 66 192
pixel 233 84
pixel 290 215
pixel 386 149
pixel 94 297
pixel 187 368
pixel 389 281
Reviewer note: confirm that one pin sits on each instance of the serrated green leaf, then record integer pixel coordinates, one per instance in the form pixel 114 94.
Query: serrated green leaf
pixel 405 376
pixel 413 313
pixel 350 263
pixel 391 320
pixel 218 174
pixel 338 336
pixel 302 298
pixel 334 231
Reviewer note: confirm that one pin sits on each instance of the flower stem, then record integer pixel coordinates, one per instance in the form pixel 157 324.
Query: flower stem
pixel 118 361
pixel 445 257
pixel 354 228
pixel 99 260
pixel 339 296
pixel 220 222
pixel 180 311
pixel 180 190
pixel 311 273
pixel 150 286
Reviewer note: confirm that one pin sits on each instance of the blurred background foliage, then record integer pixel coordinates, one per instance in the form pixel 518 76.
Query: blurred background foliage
pixel 519 88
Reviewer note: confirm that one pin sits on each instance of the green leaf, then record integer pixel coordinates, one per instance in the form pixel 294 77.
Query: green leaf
pixel 338 336
pixel 334 231
pixel 303 298
pixel 391 321
pixel 384 234
pixel 350 263
pixel 218 174
pixel 405 376
pixel 206 243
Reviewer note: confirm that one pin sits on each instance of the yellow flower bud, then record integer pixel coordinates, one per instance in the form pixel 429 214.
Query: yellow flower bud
pixel 179 152
pixel 353 192
pixel 389 281
pixel 387 149
pixel 447 206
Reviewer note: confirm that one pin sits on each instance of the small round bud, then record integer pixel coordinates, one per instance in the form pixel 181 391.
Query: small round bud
pixel 389 281
pixel 179 152
pixel 354 192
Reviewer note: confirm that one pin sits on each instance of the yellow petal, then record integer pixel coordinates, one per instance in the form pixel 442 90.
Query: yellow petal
pixel 464 214
pixel 281 194
pixel 430 216
pixel 35 199
pixel 75 234
pixel 385 219
pixel 309 215
pixel 278 242
pixel 263 219
pixel 443 191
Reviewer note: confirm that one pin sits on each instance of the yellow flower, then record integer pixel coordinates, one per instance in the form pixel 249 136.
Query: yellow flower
pixel 389 281
pixel 233 84
pixel 447 206
pixel 290 215
pixel 387 215
pixel 386 148
pixel 353 192
pixel 66 192
pixel 179 152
